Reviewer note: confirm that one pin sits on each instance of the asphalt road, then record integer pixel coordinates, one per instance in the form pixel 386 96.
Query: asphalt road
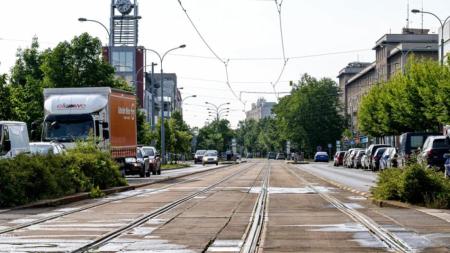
pixel 216 211
pixel 358 179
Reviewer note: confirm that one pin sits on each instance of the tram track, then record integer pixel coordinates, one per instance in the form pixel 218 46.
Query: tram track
pixel 389 239
pixel 94 205
pixel 104 239
pixel 253 232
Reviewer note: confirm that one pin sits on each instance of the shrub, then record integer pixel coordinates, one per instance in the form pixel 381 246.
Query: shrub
pixel 25 178
pixel 414 184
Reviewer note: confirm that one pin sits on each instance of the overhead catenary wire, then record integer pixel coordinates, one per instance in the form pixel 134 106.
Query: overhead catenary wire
pixel 225 62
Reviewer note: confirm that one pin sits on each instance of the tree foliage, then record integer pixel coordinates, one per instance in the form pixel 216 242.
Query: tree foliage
pixel 216 135
pixel 310 117
pixel 414 101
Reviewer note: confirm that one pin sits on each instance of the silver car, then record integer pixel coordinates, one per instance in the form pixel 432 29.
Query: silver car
pixel 210 156
pixel 45 148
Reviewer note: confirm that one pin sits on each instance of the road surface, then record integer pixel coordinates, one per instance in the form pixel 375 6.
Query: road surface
pixel 259 206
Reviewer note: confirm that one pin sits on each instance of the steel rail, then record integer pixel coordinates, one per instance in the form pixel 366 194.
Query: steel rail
pixel 254 229
pixel 102 240
pixel 42 220
pixel 389 239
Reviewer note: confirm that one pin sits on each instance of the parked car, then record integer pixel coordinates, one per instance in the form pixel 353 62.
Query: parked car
pixel 409 143
pixel 280 156
pixel 138 165
pixel 44 148
pixel 210 156
pixel 271 155
pixel 321 157
pixel 365 161
pixel 347 157
pixel 154 159
pixel 370 151
pixel 198 157
pixel 338 158
pixel 389 159
pixel 377 157
pixel 357 160
pixel 353 157
pixel 249 155
pixel 433 150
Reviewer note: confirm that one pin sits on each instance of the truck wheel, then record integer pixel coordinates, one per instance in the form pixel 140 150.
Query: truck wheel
pixel 142 172
pixel 154 171
pixel 159 171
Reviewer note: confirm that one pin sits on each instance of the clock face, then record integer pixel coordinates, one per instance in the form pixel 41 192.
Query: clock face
pixel 124 6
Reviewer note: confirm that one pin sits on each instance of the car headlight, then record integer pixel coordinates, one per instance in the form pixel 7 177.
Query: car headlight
pixel 130 160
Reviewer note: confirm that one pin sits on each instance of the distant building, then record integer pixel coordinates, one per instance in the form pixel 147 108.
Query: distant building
pixel 260 110
pixel 392 53
pixel 171 96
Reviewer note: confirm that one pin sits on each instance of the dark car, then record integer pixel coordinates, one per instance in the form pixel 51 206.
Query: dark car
pixel 321 157
pixel 338 158
pixel 198 157
pixel 377 157
pixel 280 156
pixel 271 155
pixel 409 143
pixel 370 152
pixel 433 150
pixel 138 165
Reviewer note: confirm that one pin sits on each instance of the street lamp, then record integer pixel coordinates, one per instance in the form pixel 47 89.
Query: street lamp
pixel 415 11
pixel 107 31
pixel 163 137
pixel 216 108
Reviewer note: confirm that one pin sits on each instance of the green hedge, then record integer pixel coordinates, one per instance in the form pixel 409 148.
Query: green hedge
pixel 26 179
pixel 414 184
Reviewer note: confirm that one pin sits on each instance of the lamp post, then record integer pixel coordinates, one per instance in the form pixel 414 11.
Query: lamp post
pixel 163 139
pixel 217 108
pixel 182 101
pixel 415 11
pixel 107 31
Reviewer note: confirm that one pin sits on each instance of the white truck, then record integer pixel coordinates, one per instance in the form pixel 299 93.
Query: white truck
pixel 109 114
pixel 13 139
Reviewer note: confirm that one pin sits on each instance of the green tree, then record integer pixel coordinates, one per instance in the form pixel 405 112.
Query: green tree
pixel 79 64
pixel 216 135
pixel 5 95
pixel 310 116
pixel 414 101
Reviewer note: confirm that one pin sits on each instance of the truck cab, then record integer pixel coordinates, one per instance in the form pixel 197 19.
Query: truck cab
pixel 13 139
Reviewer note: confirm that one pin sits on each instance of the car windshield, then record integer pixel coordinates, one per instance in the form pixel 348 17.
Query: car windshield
pixel 149 151
pixel 41 149
pixel 321 153
pixel 68 128
pixel 211 153
pixel 200 152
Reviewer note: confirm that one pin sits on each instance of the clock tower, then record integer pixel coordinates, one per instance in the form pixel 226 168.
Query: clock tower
pixel 125 55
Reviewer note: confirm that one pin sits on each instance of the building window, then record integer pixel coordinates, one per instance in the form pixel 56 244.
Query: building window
pixel 122 61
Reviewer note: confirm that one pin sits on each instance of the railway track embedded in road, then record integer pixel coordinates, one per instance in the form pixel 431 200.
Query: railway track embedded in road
pixel 253 232
pixel 104 239
pixel 65 213
pixel 389 239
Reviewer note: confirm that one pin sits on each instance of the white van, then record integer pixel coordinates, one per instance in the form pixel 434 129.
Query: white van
pixel 13 139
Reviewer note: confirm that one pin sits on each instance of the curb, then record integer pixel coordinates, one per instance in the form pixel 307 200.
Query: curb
pixel 86 195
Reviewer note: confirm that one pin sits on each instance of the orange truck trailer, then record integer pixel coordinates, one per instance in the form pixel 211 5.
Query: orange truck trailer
pixel 76 113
